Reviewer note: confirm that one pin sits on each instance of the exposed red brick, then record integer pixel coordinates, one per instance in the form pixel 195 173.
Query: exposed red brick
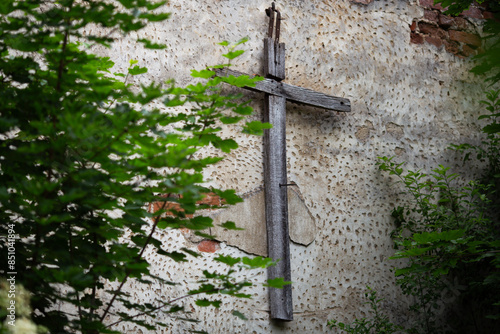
pixel 210 199
pixel 465 37
pixel 451 47
pixel 488 15
pixel 416 38
pixel 430 29
pixel 413 26
pixel 208 246
pixel 468 51
pixel 473 12
pixel 166 206
pixel 429 4
pixel 431 15
pixel 153 207
pixel 446 21
pixel 438 42
pixel 460 23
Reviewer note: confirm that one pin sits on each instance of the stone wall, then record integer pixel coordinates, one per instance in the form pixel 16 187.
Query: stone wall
pixel 458 35
pixel 405 68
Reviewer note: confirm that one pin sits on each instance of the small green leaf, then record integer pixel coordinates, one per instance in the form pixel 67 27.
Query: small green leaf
pixel 492 128
pixel 225 145
pixel 174 102
pixel 205 302
pixel 231 226
pixel 233 54
pixel 190 252
pixel 257 262
pixel 204 74
pixel 241 41
pixel 243 110
pixel 278 282
pixel 228 196
pixel 239 315
pixel 150 45
pixel 227 259
pixel 137 70
pixel 155 5
pixel 230 120
pixel 256 128
pixel 204 235
pixel 200 223
pixel 176 256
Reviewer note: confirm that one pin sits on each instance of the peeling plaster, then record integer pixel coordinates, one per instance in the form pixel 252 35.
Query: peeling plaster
pixel 250 216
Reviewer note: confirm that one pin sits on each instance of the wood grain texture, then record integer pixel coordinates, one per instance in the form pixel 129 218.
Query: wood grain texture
pixel 294 93
pixel 269 63
pixel 274 59
pixel 276 203
pixel 280 60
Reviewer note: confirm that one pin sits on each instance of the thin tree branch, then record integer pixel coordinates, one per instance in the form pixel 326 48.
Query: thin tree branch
pixel 156 220
pixel 153 309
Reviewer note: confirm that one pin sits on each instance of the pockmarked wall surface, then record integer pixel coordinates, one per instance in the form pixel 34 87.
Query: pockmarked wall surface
pixel 405 69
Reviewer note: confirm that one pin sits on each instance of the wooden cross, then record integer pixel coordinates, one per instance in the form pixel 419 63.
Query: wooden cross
pixel 275 175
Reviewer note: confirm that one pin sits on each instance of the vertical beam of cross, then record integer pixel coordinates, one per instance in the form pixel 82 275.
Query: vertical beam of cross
pixel 275 180
pixel 277 208
pixel 275 175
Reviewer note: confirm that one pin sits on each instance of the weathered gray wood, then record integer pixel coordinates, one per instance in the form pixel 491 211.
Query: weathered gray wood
pixel 280 60
pixel 269 62
pixel 293 93
pixel 275 175
pixel 276 202
pixel 274 59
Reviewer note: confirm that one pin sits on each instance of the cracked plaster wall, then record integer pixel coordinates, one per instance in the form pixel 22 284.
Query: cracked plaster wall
pixel 409 100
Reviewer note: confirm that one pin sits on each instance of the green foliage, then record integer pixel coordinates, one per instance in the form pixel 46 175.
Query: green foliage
pixel 83 154
pixel 227 284
pixel 456 7
pixel 488 152
pixel 377 324
pixel 448 233
pixel 489 60
pixel 233 53
pixel 239 315
pixel 444 233
pixel 278 282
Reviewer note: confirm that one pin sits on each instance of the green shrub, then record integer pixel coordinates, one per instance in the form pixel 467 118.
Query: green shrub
pixel 449 234
pixel 377 324
pixel 83 154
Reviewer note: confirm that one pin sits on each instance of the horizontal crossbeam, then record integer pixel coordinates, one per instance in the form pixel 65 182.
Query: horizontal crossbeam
pixel 293 93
